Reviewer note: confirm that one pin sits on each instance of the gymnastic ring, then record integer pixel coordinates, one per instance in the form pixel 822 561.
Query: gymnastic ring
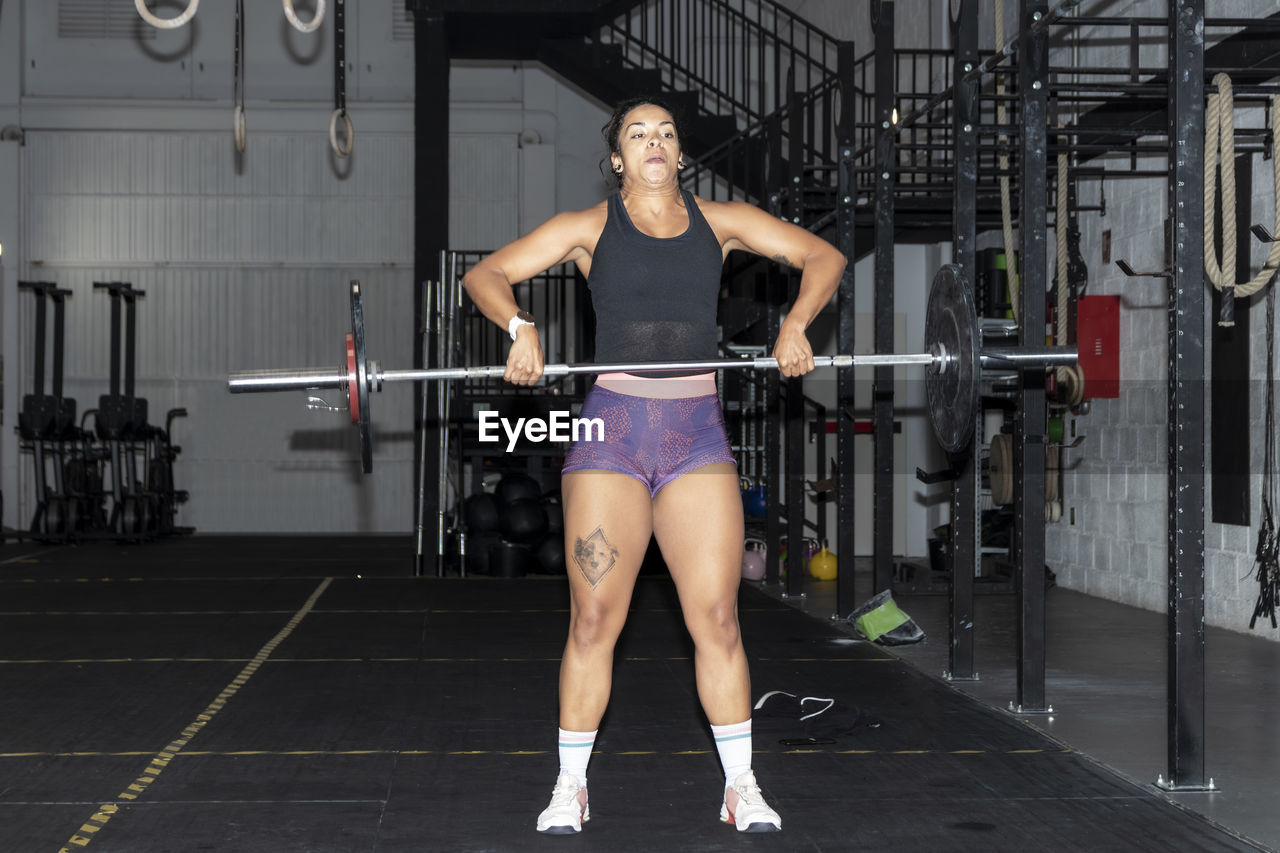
pixel 241 129
pixel 166 23
pixel 316 20
pixel 333 133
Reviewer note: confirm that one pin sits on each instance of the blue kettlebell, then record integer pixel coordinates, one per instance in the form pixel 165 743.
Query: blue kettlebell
pixel 757 505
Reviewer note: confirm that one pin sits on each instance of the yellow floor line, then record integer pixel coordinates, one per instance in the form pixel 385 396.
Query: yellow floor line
pixel 161 760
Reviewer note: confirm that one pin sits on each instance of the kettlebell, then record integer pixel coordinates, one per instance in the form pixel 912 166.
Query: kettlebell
pixel 755 501
pixel 822 565
pixel 753 555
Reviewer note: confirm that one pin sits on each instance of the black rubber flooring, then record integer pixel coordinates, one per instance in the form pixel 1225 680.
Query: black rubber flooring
pixel 181 696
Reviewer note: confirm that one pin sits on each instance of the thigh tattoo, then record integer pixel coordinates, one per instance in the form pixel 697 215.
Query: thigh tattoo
pixel 594 556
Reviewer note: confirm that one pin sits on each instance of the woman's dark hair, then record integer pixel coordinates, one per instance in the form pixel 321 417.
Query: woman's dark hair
pixel 613 127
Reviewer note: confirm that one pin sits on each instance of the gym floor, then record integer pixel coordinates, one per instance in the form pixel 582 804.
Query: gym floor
pixel 1106 682
pixel 306 694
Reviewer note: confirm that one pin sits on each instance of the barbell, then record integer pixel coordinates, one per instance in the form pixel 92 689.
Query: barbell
pixel 953 365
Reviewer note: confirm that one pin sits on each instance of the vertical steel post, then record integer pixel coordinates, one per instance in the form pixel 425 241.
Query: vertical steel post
pixel 130 340
pixel 847 190
pixel 115 341
pixel 771 441
pixel 1186 685
pixel 431 220
pixel 795 487
pixel 1030 424
pixel 966 551
pixel 882 408
pixel 794 462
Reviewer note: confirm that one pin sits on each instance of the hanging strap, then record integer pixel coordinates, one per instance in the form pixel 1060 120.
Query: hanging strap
pixel 340 83
pixel 239 128
pixel 1267 553
pixel 340 56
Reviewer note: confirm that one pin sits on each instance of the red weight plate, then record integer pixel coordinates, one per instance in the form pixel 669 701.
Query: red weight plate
pixel 353 383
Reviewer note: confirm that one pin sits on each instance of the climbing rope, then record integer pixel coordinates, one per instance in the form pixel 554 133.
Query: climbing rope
pixel 1220 172
pixel 1006 205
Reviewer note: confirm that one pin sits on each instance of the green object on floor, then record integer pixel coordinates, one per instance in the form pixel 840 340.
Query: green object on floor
pixel 880 620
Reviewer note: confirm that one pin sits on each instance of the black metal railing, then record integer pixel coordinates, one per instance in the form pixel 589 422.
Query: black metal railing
pixel 741 168
pixel 736 54
pixel 550 297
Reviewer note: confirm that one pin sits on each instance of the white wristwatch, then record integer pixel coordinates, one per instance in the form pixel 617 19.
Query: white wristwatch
pixel 522 318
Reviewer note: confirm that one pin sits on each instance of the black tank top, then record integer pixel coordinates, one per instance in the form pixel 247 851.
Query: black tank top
pixel 655 298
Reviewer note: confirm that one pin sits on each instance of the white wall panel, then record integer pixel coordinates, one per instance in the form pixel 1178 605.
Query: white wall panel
pixel 484 188
pixel 197 60
pixel 124 198
pixel 246 269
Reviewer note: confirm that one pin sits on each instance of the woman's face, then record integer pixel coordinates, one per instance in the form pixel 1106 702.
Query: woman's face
pixel 649 148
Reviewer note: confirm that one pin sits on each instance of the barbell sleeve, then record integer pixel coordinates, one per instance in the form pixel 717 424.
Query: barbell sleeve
pixel 1021 358
pixel 284 379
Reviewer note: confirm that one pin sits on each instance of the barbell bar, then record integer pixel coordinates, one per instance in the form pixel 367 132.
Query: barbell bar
pixel 952 364
pixel 253 381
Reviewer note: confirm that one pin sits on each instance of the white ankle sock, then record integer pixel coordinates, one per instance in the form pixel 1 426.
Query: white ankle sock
pixel 733 742
pixel 575 752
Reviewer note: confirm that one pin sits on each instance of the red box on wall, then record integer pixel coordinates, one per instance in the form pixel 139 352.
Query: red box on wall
pixel 1098 341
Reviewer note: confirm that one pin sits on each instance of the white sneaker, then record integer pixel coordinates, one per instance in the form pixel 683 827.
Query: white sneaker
pixel 745 808
pixel 568 810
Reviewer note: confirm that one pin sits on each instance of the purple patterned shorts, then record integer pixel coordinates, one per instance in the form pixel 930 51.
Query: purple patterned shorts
pixel 652 439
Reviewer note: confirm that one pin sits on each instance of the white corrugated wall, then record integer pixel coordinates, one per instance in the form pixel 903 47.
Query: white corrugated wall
pixel 249 267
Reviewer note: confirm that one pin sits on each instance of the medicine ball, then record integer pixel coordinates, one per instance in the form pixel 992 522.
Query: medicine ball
pixel 524 520
pixel 555 515
pixel 481 512
pixel 548 557
pixel 509 559
pixel 476 560
pixel 516 486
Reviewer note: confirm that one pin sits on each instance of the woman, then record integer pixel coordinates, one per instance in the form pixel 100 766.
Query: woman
pixel 652 255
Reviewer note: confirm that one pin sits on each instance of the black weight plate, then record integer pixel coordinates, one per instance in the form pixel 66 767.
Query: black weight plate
pixel 952 389
pixel 362 379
